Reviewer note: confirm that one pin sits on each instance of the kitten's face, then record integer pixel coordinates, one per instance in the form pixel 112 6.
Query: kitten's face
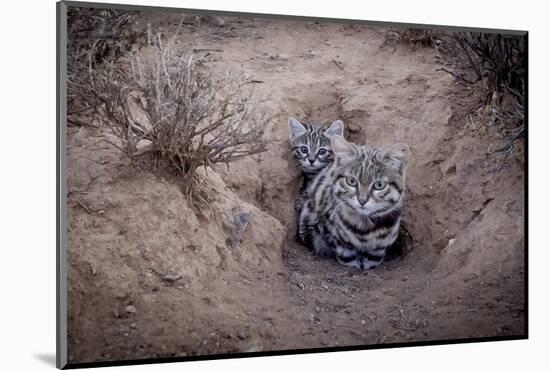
pixel 310 143
pixel 370 180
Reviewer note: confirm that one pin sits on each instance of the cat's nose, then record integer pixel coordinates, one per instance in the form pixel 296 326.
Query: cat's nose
pixel 311 161
pixel 362 201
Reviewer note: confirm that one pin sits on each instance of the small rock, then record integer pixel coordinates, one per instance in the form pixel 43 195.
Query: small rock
pixel 171 278
pixel 254 348
pixel 217 21
pixel 131 309
pixel 242 336
pixel 240 221
pixel 133 325
pixel 143 143
pixel 354 128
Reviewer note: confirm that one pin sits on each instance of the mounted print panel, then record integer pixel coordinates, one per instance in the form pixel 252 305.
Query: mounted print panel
pixel 240 185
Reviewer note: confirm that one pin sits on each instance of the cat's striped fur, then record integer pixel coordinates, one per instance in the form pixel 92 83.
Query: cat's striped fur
pixel 353 207
pixel 311 151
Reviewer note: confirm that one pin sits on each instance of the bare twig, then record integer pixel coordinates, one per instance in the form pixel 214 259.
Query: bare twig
pixel 197 50
pixel 510 142
pixel 84 207
pixel 338 64
pixel 72 122
pixel 457 76
pixel 79 110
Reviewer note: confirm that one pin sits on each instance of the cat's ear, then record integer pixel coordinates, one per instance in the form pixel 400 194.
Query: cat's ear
pixel 398 156
pixel 341 148
pixel 295 128
pixel 336 128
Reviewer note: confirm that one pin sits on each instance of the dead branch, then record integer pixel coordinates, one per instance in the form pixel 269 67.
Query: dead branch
pixel 84 207
pixel 338 64
pixel 197 50
pixel 455 75
pixel 72 122
pixel 511 141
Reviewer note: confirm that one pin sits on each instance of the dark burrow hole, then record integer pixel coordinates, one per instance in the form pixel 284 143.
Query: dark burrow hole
pixel 324 108
pixel 402 245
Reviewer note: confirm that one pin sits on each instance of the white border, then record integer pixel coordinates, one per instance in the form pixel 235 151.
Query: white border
pixel 28 182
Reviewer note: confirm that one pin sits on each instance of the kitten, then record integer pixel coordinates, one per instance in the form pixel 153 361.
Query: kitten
pixel 353 207
pixel 311 151
pixel 310 144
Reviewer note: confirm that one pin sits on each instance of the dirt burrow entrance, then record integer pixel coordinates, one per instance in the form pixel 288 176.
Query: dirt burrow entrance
pixel 151 277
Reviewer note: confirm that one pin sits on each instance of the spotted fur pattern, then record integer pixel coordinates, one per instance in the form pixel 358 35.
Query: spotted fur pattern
pixel 353 207
pixel 311 151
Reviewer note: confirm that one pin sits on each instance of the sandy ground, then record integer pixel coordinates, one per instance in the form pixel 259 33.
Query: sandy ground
pixel 462 272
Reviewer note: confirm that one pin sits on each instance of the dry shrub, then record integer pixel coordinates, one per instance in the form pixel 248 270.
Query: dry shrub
pixel 497 62
pixel 96 36
pixel 168 111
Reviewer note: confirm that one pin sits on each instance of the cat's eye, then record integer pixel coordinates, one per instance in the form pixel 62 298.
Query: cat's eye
pixel 322 151
pixel 379 185
pixel 351 181
pixel 303 149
